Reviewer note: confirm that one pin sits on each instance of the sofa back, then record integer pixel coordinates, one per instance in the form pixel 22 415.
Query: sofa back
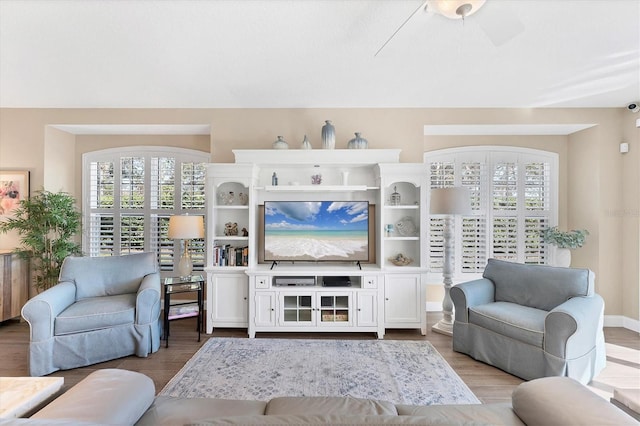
pixel 107 276
pixel 537 286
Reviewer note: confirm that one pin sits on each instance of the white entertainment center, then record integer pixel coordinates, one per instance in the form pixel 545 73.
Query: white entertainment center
pixel 244 291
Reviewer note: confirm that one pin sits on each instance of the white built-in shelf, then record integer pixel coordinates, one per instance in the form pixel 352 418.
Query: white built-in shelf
pixel 226 268
pixel 335 157
pixel 402 238
pixel 403 206
pixel 231 238
pixel 231 207
pixel 317 188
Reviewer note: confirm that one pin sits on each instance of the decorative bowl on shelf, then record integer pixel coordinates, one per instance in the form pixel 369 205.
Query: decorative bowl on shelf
pixel 406 227
pixel 400 260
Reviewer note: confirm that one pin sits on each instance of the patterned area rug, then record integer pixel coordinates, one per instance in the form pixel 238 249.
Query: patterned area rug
pixel 403 372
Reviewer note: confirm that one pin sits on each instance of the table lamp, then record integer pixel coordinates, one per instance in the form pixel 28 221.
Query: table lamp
pixel 448 202
pixel 185 228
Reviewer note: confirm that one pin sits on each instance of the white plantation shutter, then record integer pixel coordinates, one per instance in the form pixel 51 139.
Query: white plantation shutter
pixel 100 222
pixel 132 234
pixel 442 175
pixel 513 195
pixel 505 238
pixel 473 229
pixel 474 244
pixel 101 235
pixel 132 192
pixel 160 243
pixel 163 183
pixel 132 185
pixel 102 184
pixel 192 186
pixel 537 205
pixel 535 250
pixel 436 244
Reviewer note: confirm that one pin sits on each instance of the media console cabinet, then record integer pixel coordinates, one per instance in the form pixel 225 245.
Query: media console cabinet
pixel 244 291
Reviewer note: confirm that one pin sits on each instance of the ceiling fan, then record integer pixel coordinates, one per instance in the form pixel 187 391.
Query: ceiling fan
pixel 499 32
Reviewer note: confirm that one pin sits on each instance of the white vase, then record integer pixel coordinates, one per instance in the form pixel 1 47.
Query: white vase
pixel 562 257
pixel 306 144
pixel 345 177
pixel 280 143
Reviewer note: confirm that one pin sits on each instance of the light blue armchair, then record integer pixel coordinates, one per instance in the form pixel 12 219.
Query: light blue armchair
pixel 102 308
pixel 531 320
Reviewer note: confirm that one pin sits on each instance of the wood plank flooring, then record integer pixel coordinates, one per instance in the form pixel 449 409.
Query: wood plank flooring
pixel 489 384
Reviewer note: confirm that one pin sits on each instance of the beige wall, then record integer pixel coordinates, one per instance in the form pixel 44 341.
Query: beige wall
pixel 595 178
pixel 630 216
pixel 59 161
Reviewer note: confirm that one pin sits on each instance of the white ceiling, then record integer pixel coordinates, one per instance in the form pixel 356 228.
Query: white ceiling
pixel 316 53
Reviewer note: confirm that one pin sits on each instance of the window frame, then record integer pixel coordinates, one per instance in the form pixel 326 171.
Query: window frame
pixel 114 155
pixel 488 156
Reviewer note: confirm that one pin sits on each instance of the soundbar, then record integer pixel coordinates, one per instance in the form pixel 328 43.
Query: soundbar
pixel 294 281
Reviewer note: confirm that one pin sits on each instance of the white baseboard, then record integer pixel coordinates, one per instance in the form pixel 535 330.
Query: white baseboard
pixel 622 321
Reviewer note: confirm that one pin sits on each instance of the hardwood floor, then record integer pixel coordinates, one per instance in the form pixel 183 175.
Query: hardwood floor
pixel 489 384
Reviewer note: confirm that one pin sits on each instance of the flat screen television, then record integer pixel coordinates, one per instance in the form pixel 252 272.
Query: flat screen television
pixel 316 231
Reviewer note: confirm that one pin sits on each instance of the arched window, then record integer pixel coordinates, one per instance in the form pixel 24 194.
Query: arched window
pixel 129 195
pixel 513 196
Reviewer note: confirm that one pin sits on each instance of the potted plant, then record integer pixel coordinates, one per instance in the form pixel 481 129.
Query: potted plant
pixel 46 224
pixel 564 242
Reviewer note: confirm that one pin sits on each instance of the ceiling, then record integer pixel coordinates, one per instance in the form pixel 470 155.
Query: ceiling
pixel 317 53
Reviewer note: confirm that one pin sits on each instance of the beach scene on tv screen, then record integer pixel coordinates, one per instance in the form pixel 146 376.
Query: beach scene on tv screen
pixel 316 230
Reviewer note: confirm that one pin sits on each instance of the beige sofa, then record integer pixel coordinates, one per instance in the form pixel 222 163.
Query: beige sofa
pixel 121 397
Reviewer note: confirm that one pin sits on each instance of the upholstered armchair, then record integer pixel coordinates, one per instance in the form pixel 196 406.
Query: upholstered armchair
pixel 102 308
pixel 531 320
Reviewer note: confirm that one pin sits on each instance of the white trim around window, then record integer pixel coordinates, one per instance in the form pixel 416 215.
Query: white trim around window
pixel 129 194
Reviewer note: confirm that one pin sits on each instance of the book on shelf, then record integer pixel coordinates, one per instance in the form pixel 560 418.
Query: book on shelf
pixel 228 255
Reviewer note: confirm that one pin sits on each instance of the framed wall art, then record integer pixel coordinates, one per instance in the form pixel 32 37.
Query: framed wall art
pixel 14 187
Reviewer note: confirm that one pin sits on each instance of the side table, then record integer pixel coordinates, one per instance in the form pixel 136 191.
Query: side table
pixel 180 310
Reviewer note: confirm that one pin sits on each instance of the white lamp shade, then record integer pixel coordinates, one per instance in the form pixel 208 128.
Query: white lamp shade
pixel 185 227
pixel 449 8
pixel 453 200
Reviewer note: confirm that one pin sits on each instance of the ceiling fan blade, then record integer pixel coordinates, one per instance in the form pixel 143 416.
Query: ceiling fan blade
pixel 500 25
pixel 400 27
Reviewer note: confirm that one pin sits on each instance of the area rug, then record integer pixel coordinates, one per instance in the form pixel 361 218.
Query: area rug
pixel 403 372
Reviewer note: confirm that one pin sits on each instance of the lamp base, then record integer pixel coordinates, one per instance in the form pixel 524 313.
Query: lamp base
pixel 185 266
pixel 443 327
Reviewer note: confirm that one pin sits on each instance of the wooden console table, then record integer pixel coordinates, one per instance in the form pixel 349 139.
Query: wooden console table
pixel 14 285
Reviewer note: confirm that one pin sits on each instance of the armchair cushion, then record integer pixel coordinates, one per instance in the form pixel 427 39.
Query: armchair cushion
pixel 537 286
pixel 508 319
pixel 95 313
pixel 107 276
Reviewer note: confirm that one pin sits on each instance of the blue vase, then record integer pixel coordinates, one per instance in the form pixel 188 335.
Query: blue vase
pixel 328 135
pixel 358 142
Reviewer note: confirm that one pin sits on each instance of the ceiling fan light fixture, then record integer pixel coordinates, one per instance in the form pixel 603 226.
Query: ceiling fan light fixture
pixel 455 9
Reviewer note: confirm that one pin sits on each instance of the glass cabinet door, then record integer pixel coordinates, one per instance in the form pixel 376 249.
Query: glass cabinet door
pixel 334 309
pixel 297 309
